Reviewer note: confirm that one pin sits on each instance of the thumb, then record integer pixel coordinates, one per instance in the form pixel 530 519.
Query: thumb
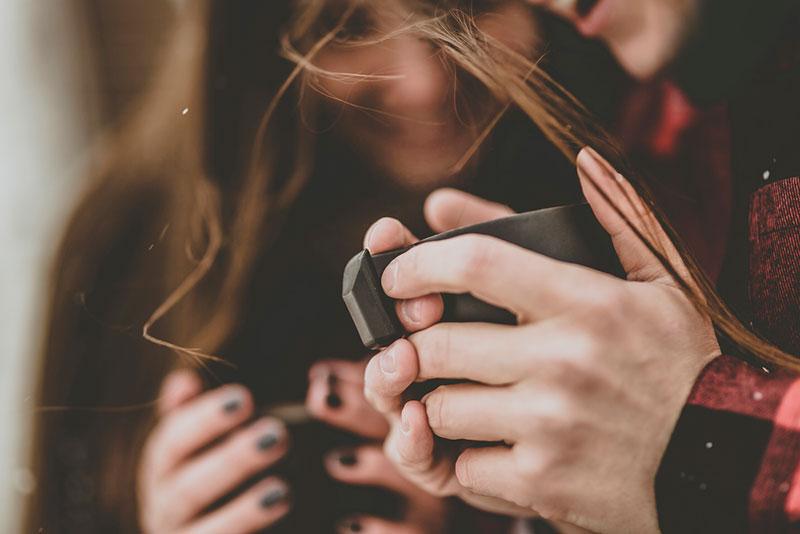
pixel 447 209
pixel 605 189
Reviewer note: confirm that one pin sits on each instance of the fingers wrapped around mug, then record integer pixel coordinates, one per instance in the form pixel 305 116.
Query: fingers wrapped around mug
pixel 576 403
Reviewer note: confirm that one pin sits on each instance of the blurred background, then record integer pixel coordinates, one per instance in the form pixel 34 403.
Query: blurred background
pixel 70 69
pixel 74 68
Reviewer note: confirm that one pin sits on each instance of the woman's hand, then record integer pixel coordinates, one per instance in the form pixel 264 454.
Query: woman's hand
pixel 199 452
pixel 335 396
pixel 584 393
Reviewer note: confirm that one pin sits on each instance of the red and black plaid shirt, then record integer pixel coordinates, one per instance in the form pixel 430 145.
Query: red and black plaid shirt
pixel 733 464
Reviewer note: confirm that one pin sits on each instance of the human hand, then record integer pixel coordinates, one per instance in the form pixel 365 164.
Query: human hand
pixel 421 462
pixel 199 452
pixel 583 393
pixel 335 396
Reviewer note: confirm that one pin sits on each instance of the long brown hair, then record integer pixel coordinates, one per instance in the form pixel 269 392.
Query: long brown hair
pixel 190 189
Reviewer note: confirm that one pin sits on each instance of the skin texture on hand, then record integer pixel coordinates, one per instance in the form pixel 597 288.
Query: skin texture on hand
pixel 583 393
pixel 367 465
pixel 203 448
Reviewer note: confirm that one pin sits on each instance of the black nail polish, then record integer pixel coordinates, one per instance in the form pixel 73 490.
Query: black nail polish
pixel 333 400
pixel 333 380
pixel 267 441
pixel 232 405
pixel 348 459
pixel 273 497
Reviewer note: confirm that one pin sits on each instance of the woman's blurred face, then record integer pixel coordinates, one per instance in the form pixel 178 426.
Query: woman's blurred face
pixel 644 35
pixel 408 124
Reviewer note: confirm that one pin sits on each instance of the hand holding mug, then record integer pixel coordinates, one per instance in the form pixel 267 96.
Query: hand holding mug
pixel 580 397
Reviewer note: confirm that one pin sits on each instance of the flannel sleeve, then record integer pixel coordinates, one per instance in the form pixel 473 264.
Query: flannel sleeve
pixel 732 463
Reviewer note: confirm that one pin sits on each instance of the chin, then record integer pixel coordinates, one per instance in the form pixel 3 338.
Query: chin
pixel 643 59
pixel 418 174
pixel 416 168
pixel 420 178
pixel 646 53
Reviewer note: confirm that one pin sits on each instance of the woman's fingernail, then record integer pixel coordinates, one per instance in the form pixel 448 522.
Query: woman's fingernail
pixel 333 380
pixel 354 526
pixel 411 310
pixel 333 400
pixel 348 459
pixel 232 405
pixel 273 497
pixel 350 525
pixel 267 441
pixel 388 361
pixel 389 277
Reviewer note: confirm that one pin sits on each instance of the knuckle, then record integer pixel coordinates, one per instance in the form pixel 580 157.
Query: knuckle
pixel 474 256
pixel 590 351
pixel 566 431
pixel 435 408
pixel 433 348
pixel 531 467
pixel 608 306
pixel 544 487
pixel 568 364
pixel 570 442
pixel 577 369
pixel 569 433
